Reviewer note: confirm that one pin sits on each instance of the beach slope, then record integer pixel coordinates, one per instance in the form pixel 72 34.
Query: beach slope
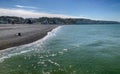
pixel 28 33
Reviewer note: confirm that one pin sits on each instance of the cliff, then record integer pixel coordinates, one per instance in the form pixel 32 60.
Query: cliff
pixel 47 20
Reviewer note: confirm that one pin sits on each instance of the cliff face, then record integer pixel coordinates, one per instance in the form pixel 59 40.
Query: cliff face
pixel 46 20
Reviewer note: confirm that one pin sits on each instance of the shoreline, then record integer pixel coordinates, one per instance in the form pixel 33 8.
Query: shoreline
pixel 29 34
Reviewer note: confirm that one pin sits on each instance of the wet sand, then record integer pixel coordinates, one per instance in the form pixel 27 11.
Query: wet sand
pixel 29 33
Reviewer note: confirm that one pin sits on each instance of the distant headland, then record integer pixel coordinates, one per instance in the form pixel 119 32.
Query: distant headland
pixel 49 20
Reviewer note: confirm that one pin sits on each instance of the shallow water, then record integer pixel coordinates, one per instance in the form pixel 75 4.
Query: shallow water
pixel 83 49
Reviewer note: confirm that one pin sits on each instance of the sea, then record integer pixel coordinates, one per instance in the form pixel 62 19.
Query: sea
pixel 67 49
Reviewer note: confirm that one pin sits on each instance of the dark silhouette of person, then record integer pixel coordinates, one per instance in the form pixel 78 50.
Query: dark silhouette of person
pixel 19 34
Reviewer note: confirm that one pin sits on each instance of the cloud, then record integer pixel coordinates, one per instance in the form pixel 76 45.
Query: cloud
pixel 29 7
pixel 30 14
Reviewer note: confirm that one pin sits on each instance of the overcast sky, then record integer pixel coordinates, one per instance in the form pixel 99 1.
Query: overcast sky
pixel 92 9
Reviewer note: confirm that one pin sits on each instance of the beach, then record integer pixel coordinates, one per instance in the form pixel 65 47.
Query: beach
pixel 67 49
pixel 9 36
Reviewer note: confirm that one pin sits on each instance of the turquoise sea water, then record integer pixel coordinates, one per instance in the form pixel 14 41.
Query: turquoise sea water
pixel 83 49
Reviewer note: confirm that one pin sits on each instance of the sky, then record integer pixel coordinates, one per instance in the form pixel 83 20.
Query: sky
pixel 90 9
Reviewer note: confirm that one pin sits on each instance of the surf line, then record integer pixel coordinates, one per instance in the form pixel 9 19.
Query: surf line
pixel 17 50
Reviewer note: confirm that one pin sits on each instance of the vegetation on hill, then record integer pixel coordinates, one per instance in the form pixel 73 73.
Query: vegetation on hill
pixel 47 20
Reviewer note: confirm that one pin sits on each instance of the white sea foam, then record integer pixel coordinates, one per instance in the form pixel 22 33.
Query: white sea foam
pixel 65 50
pixel 55 63
pixel 7 53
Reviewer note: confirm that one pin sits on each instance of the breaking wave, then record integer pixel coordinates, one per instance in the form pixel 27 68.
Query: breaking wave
pixel 7 53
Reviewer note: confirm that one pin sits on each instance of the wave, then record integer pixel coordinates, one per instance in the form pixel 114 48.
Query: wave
pixel 9 52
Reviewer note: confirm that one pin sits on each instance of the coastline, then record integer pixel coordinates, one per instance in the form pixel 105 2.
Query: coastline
pixel 29 34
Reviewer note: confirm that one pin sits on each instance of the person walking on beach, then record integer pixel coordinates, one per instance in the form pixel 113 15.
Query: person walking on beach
pixel 19 34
